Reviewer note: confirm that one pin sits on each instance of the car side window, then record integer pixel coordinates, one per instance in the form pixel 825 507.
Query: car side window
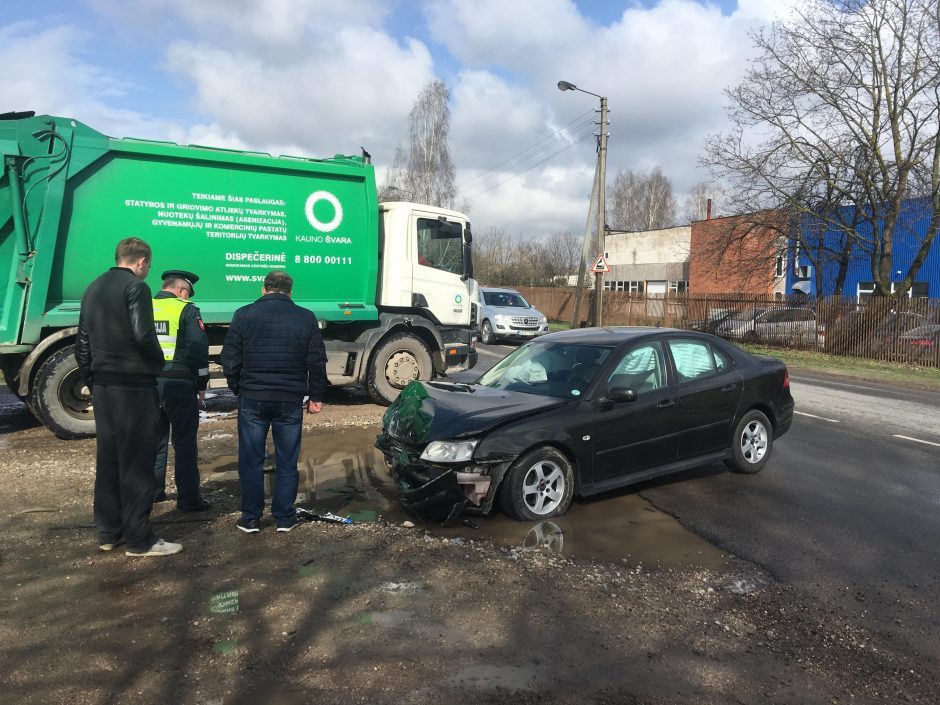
pixel 693 359
pixel 722 361
pixel 641 369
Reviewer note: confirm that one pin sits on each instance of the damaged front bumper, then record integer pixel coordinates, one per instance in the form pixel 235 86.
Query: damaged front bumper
pixel 438 493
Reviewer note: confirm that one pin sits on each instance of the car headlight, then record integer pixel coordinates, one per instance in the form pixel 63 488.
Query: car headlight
pixel 501 318
pixel 543 320
pixel 449 451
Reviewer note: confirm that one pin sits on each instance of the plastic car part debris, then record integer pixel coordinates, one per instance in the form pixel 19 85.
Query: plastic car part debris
pixel 471 523
pixel 329 517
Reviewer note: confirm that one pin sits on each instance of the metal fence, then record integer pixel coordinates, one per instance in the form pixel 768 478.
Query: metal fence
pixel 904 330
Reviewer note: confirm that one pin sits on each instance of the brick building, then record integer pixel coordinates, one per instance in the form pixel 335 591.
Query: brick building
pixel 738 255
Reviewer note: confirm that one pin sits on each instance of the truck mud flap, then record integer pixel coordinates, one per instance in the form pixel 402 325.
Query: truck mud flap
pixel 440 500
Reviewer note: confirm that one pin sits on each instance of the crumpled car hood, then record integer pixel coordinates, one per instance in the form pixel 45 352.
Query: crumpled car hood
pixel 430 411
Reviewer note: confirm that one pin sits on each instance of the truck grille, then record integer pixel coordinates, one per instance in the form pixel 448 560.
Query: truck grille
pixel 524 321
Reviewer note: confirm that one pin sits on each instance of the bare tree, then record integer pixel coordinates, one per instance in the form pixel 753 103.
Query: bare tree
pixel 836 125
pixel 499 260
pixel 641 202
pixel 696 202
pixel 424 172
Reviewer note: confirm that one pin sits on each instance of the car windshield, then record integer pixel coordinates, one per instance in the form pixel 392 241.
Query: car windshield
pixel 547 369
pixel 505 298
pixel 748 314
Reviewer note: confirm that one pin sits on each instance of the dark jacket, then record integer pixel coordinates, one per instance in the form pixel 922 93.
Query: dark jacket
pixel 192 346
pixel 273 351
pixel 116 341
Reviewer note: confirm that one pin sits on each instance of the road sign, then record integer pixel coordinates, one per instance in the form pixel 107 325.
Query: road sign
pixel 600 265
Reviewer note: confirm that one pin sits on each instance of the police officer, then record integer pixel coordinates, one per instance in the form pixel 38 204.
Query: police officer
pixel 185 377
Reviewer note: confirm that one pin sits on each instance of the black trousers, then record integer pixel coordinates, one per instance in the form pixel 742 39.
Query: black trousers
pixel 126 423
pixel 179 412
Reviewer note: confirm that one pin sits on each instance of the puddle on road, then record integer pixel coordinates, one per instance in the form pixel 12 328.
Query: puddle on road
pixel 345 474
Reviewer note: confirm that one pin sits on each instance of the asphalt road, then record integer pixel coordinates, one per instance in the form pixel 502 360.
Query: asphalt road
pixel 848 510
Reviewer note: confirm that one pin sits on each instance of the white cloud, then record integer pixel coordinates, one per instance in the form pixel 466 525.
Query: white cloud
pixel 45 70
pixel 317 77
pixel 663 69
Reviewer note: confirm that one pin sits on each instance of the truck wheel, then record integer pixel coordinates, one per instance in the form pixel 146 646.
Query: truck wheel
pixel 486 333
pixel 60 398
pixel 396 362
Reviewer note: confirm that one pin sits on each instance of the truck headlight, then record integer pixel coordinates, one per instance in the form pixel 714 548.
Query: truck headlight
pixel 449 451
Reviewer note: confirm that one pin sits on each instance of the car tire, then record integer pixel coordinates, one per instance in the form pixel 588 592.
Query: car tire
pixel 539 485
pixel 751 443
pixel 395 363
pixel 60 398
pixel 486 333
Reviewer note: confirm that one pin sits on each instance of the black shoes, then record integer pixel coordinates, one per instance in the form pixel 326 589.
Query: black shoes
pixel 200 506
pixel 288 525
pixel 249 526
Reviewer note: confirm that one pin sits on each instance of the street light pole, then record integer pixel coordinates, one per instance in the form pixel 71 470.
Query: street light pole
pixel 601 200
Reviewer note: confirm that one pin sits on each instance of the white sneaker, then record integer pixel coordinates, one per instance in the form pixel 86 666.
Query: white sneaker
pixel 160 548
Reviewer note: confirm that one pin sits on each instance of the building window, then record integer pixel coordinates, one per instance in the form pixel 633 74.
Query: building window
pixel 678 287
pixel 634 287
pixel 780 265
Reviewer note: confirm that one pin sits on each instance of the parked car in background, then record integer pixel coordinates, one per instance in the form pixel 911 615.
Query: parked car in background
pixel 580 412
pixel 873 333
pixel 789 325
pixel 923 344
pixel 714 318
pixel 504 313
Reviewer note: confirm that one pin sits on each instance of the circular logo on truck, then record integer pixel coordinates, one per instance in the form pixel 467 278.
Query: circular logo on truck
pixel 312 200
pixel 458 298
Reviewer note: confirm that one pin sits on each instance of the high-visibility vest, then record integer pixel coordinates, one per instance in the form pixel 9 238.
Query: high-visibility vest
pixel 166 318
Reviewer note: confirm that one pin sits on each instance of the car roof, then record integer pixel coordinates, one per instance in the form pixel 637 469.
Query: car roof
pixel 610 335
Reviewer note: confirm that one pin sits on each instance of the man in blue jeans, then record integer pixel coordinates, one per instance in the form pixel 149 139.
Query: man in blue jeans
pixel 273 357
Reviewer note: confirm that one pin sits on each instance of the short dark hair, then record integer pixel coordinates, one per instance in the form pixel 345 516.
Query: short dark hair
pixel 277 281
pixel 132 248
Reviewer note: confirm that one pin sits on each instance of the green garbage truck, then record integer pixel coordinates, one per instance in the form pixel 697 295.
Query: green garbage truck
pixel 391 283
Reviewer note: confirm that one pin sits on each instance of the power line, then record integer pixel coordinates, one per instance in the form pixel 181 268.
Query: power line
pixel 518 174
pixel 538 148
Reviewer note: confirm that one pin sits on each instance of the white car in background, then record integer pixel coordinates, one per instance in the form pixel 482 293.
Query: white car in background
pixel 504 313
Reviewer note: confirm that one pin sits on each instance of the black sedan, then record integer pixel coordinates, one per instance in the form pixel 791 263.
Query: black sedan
pixel 582 412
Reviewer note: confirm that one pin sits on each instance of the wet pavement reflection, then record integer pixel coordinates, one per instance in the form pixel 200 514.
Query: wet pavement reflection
pixel 344 474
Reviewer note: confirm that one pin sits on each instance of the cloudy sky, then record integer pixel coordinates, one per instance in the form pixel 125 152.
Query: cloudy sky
pixel 319 77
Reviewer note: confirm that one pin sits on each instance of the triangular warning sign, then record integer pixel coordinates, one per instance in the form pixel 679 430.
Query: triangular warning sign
pixel 600 265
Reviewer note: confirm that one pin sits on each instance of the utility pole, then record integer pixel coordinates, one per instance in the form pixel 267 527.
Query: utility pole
pixel 601 212
pixel 601 241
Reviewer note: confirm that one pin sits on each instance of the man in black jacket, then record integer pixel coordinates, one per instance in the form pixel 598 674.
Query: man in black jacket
pixel 273 356
pixel 119 357
pixel 185 375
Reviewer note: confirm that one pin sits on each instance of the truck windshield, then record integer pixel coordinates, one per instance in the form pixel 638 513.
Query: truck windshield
pixel 440 245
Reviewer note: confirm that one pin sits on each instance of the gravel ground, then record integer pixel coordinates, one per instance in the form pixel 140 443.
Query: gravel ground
pixel 379 613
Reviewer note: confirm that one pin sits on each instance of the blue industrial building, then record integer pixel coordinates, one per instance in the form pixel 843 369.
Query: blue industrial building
pixel 909 233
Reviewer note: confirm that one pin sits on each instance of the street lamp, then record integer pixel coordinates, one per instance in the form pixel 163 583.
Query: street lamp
pixel 408 194
pixel 601 204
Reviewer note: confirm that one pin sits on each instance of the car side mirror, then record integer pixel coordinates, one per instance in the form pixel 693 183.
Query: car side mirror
pixel 621 394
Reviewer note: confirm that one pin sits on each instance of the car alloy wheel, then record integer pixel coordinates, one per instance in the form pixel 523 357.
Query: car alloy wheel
pixel 486 333
pixel 538 485
pixel 751 443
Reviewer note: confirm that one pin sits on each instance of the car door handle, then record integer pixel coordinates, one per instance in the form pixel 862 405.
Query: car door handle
pixel 729 387
pixel 665 404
